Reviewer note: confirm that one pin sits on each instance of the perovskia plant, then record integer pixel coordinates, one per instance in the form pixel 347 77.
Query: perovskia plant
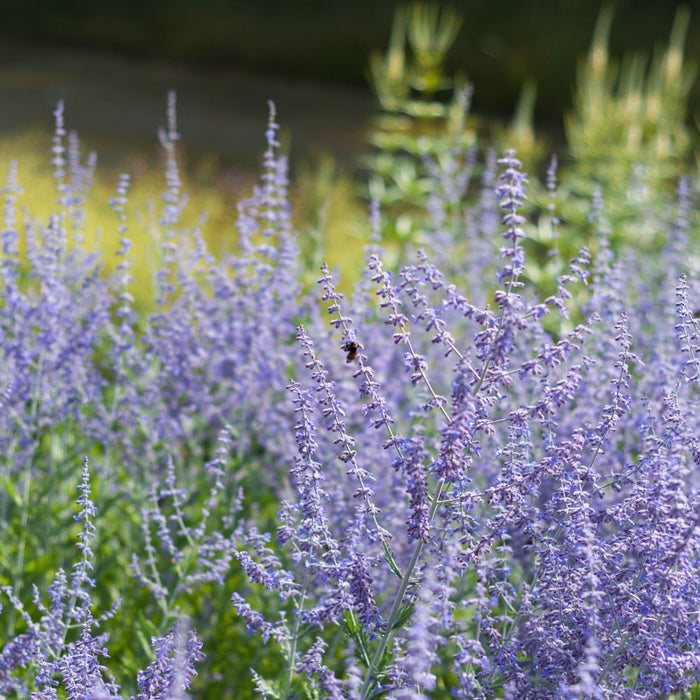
pixel 490 499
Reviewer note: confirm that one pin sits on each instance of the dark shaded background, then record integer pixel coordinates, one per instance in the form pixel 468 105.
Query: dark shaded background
pixel 113 60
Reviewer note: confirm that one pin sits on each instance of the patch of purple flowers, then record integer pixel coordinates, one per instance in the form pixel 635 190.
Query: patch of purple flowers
pixel 474 496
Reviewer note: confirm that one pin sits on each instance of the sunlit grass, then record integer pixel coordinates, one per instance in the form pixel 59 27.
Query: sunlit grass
pixel 329 215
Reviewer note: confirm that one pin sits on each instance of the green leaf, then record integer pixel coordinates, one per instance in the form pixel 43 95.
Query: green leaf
pixel 354 630
pixel 404 616
pixel 389 557
pixel 269 689
pixel 10 489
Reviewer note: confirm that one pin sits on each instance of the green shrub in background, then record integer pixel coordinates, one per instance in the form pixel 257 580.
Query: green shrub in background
pixel 629 137
pixel 417 123
pixel 520 134
pixel 628 140
pixel 630 120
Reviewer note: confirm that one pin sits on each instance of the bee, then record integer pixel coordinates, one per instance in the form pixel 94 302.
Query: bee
pixel 351 348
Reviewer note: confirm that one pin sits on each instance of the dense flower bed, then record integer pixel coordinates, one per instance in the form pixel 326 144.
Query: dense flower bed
pixel 440 486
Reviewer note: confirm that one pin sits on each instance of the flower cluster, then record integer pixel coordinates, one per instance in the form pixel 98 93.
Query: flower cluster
pixel 450 485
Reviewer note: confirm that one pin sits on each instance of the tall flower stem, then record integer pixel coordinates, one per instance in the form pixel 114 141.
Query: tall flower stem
pixel 509 192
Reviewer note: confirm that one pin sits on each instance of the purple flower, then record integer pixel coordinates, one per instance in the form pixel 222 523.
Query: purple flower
pixel 173 669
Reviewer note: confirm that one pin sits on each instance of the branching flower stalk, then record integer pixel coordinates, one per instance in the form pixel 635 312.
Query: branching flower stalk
pixel 343 323
pixel 509 192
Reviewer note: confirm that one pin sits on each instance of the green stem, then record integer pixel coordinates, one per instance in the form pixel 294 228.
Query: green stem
pixel 26 494
pixel 398 600
pixel 295 636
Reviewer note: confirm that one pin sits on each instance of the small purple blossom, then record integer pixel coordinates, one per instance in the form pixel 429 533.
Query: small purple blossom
pixel 171 673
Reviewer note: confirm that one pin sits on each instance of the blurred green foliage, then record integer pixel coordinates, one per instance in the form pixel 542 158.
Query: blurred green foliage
pixel 417 125
pixel 629 140
pixel 632 114
pixel 501 43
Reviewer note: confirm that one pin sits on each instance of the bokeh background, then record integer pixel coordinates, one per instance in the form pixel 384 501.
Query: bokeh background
pixel 112 62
